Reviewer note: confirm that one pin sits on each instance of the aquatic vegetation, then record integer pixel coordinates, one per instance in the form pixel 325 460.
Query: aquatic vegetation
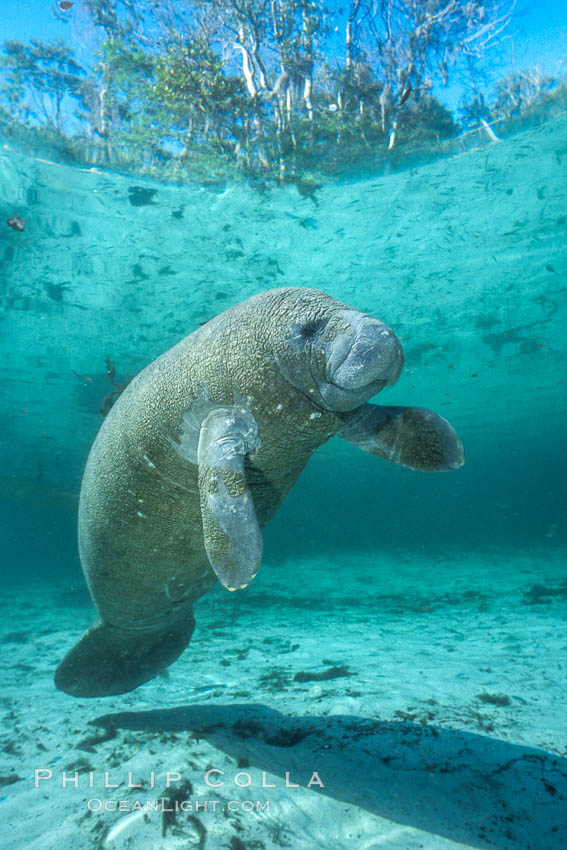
pixel 540 594
pixel 276 679
pixel 495 699
pixel 331 673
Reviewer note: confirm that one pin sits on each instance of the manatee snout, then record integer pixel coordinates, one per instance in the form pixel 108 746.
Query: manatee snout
pixel 375 355
pixel 361 363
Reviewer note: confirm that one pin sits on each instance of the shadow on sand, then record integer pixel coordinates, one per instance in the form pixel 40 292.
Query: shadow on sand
pixel 473 789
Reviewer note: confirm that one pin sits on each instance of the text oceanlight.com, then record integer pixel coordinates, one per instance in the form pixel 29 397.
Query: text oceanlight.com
pixel 164 804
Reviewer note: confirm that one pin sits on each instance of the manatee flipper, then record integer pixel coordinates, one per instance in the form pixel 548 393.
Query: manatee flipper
pixel 108 660
pixel 410 436
pixel 233 540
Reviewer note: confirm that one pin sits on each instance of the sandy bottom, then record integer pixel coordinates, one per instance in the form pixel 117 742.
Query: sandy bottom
pixel 428 698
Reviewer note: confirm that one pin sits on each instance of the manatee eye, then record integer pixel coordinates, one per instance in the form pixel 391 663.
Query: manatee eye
pixel 302 335
pixel 313 329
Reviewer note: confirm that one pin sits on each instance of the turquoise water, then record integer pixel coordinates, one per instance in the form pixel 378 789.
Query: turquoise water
pixel 439 598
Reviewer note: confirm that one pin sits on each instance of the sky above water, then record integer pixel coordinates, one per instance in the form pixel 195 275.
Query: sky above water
pixel 540 32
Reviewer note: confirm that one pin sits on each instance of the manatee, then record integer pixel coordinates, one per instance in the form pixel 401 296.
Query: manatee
pixel 198 454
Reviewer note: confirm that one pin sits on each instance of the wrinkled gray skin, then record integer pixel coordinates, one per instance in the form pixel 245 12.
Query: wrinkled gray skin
pixel 200 451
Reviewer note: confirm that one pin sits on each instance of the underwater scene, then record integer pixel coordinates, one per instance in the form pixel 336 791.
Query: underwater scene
pixel 283 529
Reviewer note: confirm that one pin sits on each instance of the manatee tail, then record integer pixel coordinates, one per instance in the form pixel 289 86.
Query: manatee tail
pixel 108 660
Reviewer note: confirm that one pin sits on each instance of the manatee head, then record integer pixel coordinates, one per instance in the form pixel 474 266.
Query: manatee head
pixel 338 357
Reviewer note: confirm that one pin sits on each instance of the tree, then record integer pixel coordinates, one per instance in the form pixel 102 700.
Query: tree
pixel 513 96
pixel 193 96
pixel 518 91
pixel 40 81
pixel 121 63
pixel 413 42
pixel 272 45
pixel 274 88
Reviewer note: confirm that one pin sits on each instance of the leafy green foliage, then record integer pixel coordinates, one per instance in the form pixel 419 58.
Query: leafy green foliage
pixel 282 90
pixel 194 98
